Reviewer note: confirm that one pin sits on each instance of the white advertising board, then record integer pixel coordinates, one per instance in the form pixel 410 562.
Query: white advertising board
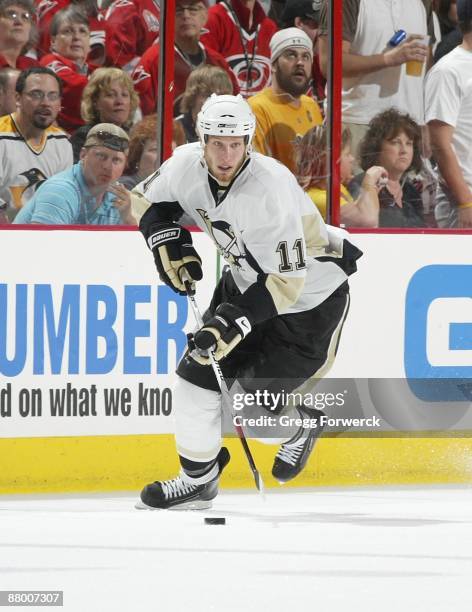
pixel 89 337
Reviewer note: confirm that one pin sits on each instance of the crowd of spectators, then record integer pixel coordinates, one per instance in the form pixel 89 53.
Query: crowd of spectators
pixel 78 97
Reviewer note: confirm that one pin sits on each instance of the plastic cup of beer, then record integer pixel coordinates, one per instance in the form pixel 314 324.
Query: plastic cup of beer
pixel 414 68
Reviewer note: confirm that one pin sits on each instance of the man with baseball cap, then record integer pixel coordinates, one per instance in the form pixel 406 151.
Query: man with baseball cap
pixel 86 193
pixel 283 112
pixel 303 14
pixel 448 114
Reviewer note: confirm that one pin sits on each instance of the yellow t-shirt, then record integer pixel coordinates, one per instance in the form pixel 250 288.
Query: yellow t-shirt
pixel 319 198
pixel 280 125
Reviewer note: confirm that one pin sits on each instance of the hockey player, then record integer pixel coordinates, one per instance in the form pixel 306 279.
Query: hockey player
pixel 279 307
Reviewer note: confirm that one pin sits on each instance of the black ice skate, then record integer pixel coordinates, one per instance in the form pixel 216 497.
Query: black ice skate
pixel 292 456
pixel 184 492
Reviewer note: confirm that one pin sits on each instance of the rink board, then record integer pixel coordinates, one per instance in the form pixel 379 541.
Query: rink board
pixel 126 463
pixel 86 319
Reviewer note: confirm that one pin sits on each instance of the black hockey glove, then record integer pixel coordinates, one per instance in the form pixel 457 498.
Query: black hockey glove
pixel 173 252
pixel 226 328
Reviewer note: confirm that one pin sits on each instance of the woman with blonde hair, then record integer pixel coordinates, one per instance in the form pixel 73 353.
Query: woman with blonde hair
pixel 109 97
pixel 312 175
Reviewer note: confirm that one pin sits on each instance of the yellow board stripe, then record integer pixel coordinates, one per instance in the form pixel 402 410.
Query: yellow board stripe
pixel 114 463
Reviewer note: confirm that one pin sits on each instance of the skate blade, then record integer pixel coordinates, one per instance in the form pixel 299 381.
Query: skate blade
pixel 191 505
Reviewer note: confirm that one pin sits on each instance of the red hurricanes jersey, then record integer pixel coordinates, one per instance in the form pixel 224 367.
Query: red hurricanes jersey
pixel 131 27
pixel 145 74
pixel 247 53
pixel 73 84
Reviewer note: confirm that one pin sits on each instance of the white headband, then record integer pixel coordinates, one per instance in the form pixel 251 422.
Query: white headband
pixel 290 37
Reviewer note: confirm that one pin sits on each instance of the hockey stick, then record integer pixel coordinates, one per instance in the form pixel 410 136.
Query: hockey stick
pixel 221 383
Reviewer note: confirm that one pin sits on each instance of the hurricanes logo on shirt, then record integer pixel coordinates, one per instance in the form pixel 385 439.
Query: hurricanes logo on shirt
pixel 224 238
pixel 252 78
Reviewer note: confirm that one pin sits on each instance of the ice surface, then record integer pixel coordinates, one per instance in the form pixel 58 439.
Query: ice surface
pixel 385 549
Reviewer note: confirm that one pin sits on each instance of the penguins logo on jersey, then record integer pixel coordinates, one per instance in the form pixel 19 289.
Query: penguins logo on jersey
pixel 34 178
pixel 224 238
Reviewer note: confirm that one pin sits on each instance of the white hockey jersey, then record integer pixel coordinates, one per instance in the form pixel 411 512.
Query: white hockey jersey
pixel 264 226
pixel 24 167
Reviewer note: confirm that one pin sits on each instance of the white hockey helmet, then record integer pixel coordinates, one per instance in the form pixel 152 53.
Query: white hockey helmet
pixel 226 116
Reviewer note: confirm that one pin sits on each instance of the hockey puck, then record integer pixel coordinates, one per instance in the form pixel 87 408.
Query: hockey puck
pixel 214 521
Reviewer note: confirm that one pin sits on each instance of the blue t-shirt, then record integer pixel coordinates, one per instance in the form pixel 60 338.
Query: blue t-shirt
pixel 64 199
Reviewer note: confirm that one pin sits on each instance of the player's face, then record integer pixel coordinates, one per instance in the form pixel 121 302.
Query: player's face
pixel 190 17
pixel 293 70
pixel 396 154
pixel 101 166
pixel 346 164
pixel 114 104
pixel 72 41
pixel 40 101
pixel 224 156
pixel 15 25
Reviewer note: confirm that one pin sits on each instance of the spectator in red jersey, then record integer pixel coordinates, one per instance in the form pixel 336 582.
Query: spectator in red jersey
pixel 305 14
pixel 109 97
pixel 8 77
pixel 241 32
pixel 190 53
pixel 46 9
pixel 126 34
pixel 70 41
pixel 16 22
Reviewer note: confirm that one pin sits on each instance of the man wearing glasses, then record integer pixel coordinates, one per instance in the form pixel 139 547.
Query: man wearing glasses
pixel 16 21
pixel 87 193
pixel 31 148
